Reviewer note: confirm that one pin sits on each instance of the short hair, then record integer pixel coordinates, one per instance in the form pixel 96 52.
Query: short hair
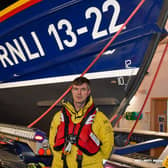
pixel 80 81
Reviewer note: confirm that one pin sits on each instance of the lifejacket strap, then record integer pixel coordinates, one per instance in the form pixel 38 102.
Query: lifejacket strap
pixel 79 158
pixel 64 160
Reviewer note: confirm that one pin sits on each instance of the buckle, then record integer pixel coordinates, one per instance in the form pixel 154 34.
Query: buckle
pixel 72 139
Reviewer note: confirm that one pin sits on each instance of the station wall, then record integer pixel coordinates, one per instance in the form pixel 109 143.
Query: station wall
pixel 159 90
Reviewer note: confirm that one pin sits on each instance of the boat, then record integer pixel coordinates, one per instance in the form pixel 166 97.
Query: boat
pixel 44 45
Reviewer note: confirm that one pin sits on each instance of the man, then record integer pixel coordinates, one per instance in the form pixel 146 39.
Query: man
pixel 80 136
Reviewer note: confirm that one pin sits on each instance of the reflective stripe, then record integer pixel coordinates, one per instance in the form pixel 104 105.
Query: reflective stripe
pixel 94 138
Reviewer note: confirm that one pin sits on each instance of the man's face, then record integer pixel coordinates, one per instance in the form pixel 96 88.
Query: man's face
pixel 80 93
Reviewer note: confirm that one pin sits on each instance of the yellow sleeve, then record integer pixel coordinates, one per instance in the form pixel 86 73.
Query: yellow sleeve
pixel 105 134
pixel 53 129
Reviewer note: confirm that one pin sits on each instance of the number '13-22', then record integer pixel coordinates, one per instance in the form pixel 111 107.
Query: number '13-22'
pixel 96 32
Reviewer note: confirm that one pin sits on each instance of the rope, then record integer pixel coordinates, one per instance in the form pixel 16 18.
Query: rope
pixel 115 116
pixel 90 65
pixel 149 91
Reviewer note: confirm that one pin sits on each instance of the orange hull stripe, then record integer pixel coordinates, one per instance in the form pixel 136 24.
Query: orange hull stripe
pixel 18 9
